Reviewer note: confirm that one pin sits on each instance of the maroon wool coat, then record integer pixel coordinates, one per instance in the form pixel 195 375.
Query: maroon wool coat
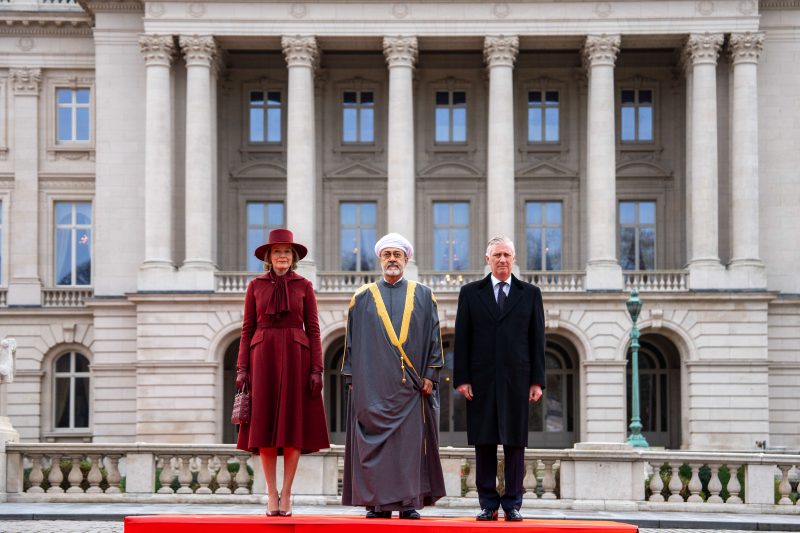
pixel 280 355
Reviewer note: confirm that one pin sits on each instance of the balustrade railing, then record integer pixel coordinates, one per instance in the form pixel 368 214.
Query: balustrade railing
pixel 65 297
pixel 343 282
pixel 233 281
pixel 448 281
pixel 556 280
pixel 657 280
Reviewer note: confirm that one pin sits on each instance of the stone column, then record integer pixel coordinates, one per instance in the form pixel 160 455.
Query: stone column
pixel 602 270
pixel 706 272
pixel 500 54
pixel 301 173
pixel 156 271
pixel 199 52
pixel 401 54
pixel 747 269
pixel 24 285
pixel 686 68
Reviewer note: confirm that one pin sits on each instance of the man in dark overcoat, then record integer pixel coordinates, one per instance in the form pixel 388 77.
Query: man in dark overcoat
pixel 499 368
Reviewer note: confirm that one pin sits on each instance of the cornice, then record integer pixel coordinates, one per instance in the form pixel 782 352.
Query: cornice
pixel 768 5
pixel 114 6
pixel 42 24
pixel 500 50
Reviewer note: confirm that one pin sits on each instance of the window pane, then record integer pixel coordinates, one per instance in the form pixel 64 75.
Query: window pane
pixel 441 213
pixel 63 363
pixel 349 125
pixel 554 409
pixel 534 97
pixel 61 402
pixel 627 251
pixel 440 250
pixel 368 214
pixel 82 133
pixel 553 213
pixel 367 135
pixel 535 416
pixel 533 213
pixel 83 213
pixel 349 97
pixel 551 97
pixel 64 96
pixel 275 216
pixel 65 124
pixel 646 123
pixel 256 98
pixel 255 238
pixel 442 98
pixel 83 96
pixel 628 126
pixel 535 124
pixel 368 259
pixel 81 402
pixel 645 96
pixel 551 124
pixel 459 98
pixel 255 213
pixel 274 125
pixel 63 213
pixel 442 125
pixel 628 97
pixel 366 97
pixel 459 125
pixel 81 363
pixel 647 249
pixel 348 249
pixel 63 257
pixel 83 257
pixel 274 98
pixel 627 213
pixel 348 213
pixel 256 125
pixel 647 213
pixel 553 249
pixel 460 249
pixel 534 244
pixel 461 213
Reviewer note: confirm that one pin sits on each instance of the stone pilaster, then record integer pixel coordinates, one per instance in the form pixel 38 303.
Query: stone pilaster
pixel 500 54
pixel 301 170
pixel 401 55
pixel 602 269
pixel 706 272
pixel 155 272
pixel 199 52
pixel 746 268
pixel 24 283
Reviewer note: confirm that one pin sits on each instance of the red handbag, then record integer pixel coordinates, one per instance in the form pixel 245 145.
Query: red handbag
pixel 241 407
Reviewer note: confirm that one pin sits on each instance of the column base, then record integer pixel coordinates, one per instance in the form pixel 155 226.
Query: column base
pixel 24 291
pixel 308 269
pixel 707 274
pixel 157 275
pixel 747 274
pixel 603 275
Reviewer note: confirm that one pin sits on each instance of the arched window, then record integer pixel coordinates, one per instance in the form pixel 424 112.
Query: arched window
pixel 551 420
pixel 71 391
pixel 335 392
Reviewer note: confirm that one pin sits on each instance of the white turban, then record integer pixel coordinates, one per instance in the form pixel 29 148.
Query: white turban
pixel 394 240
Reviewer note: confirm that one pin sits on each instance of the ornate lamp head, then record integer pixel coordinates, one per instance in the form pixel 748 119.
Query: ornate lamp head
pixel 634 305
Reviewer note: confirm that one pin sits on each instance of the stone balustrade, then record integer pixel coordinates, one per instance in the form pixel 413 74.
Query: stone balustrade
pixel 227 282
pixel 65 297
pixel 448 281
pixel 591 475
pixel 556 280
pixel 343 282
pixel 657 280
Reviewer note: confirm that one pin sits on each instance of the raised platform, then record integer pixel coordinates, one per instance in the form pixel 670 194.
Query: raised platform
pixel 343 524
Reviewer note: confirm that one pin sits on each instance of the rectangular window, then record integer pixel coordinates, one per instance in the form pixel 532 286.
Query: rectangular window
pixel 637 235
pixel 543 235
pixel 450 236
pixel 358 117
pixel 265 117
pixel 543 117
pixel 262 217
pixel 636 121
pixel 357 236
pixel 451 117
pixel 72 116
pixel 73 243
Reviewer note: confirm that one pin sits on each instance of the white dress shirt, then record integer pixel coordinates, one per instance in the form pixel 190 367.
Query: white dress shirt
pixel 496 286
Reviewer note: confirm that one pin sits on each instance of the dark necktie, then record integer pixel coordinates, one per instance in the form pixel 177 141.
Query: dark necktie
pixel 501 295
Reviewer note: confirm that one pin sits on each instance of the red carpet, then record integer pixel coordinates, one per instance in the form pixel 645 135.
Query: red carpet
pixel 349 524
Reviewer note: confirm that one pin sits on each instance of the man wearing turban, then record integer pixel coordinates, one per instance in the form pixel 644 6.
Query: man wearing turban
pixel 392 359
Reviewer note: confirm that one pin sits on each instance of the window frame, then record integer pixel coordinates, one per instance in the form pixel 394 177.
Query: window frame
pixel 336 101
pixel 248 252
pixel 656 244
pixel 469 227
pixel 638 82
pixel 543 226
pixel 71 150
pixel 543 84
pixel 54 229
pixel 266 85
pixel 359 107
pixel 451 85
pixel 47 421
pixel 358 227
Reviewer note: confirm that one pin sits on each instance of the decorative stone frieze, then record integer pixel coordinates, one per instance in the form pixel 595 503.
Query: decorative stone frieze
pixel 157 49
pixel 601 50
pixel 400 51
pixel 25 80
pixel 703 48
pixel 300 51
pixel 500 50
pixel 746 47
pixel 198 50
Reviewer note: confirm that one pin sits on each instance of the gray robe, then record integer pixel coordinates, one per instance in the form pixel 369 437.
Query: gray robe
pixel 392 450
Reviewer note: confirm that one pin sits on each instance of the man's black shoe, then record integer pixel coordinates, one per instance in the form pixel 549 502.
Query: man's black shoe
pixel 487 515
pixel 410 514
pixel 513 515
pixel 379 514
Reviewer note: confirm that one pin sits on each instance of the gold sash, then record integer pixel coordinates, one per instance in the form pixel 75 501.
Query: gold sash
pixel 404 324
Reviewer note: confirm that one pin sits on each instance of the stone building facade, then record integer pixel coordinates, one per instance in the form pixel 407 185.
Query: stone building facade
pixel 145 147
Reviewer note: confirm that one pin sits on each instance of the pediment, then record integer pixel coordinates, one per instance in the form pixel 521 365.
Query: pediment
pixel 546 169
pixel 450 169
pixel 259 169
pixel 642 169
pixel 357 170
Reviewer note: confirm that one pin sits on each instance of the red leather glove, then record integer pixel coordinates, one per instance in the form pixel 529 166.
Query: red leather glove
pixel 241 378
pixel 315 385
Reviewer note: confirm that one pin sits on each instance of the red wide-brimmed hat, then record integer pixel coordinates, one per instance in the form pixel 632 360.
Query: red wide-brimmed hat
pixel 280 236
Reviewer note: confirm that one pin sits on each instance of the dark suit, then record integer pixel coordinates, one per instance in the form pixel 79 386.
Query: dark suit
pixel 501 354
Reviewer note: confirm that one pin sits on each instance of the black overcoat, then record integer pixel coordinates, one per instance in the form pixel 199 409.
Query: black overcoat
pixel 501 355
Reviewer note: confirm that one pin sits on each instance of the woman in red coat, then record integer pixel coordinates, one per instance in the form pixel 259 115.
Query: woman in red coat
pixel 280 357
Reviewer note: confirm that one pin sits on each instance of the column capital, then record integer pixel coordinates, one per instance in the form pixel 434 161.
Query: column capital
pixel 400 51
pixel 500 50
pixel 703 48
pixel 198 50
pixel 25 81
pixel 300 51
pixel 746 47
pixel 601 50
pixel 157 49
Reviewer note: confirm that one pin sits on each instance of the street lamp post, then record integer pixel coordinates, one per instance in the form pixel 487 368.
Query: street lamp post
pixel 636 439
